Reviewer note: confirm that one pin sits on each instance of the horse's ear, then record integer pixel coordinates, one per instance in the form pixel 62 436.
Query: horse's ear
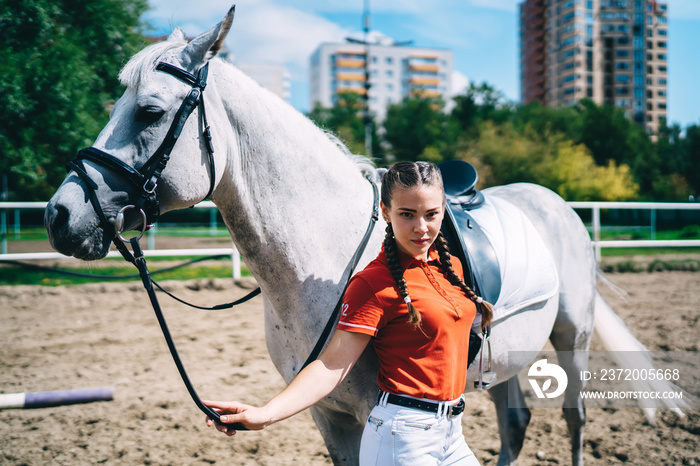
pixel 177 35
pixel 206 45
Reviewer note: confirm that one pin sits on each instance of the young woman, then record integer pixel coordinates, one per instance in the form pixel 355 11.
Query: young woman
pixel 412 304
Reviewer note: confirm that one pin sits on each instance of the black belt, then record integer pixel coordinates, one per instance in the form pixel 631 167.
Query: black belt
pixel 424 405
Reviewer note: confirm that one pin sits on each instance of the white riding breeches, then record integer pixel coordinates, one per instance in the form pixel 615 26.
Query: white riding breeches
pixel 399 436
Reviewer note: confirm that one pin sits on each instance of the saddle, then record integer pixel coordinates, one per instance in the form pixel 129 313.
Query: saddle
pixel 466 239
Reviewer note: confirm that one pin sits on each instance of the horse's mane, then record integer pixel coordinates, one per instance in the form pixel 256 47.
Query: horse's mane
pixel 145 62
pixel 363 163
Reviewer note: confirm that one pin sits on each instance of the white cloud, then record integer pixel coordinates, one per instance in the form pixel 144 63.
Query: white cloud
pixel 263 31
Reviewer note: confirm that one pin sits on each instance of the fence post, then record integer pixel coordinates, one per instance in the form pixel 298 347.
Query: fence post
pixel 152 237
pixel 653 224
pixel 236 259
pixel 212 221
pixel 596 231
pixel 17 225
pixel 3 231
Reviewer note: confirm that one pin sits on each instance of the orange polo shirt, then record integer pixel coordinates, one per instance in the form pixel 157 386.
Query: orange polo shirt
pixel 431 363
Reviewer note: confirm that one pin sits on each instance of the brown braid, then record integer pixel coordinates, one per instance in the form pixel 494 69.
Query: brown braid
pixel 446 262
pixel 392 257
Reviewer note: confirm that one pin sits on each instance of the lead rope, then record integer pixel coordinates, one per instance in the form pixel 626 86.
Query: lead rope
pixel 139 260
pixel 323 338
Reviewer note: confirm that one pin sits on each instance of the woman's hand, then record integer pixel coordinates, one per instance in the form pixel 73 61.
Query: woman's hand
pixel 231 411
pixel 317 380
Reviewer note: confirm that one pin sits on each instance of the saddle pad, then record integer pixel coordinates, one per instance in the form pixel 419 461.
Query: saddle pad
pixel 528 275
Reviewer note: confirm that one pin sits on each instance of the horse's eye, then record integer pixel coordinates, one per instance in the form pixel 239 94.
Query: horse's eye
pixel 149 115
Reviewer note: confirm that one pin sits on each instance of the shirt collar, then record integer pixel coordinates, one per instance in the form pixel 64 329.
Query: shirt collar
pixel 408 261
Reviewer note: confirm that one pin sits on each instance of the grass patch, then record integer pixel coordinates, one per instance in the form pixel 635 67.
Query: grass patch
pixel 657 265
pixel 626 252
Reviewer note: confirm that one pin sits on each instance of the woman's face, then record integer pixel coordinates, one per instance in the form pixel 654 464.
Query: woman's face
pixel 416 217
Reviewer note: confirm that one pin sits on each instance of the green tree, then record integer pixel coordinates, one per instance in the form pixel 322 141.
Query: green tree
pixel 610 135
pixel 502 154
pixel 419 126
pixel 480 102
pixel 692 147
pixel 60 64
pixel 345 120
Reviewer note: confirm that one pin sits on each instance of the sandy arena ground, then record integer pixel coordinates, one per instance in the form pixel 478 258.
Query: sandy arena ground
pixel 106 335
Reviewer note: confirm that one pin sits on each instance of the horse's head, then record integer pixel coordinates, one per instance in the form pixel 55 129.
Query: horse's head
pixel 150 158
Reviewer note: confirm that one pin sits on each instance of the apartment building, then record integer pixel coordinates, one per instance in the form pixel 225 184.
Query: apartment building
pixel 385 73
pixel 611 51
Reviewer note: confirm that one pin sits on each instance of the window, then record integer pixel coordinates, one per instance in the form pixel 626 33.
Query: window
pixel 661 105
pixel 661 44
pixel 389 74
pixel 622 65
pixel 661 93
pixel 662 32
pixel 662 69
pixel 622 78
pixel 662 81
pixel 661 56
pixel 622 53
pixel 389 60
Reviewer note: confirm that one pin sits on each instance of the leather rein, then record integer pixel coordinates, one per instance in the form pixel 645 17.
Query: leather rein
pixel 144 200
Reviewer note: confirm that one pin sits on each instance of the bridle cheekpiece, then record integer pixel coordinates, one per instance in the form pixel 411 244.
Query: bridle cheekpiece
pixel 143 197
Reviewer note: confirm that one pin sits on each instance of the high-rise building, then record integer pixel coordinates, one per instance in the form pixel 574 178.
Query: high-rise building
pixel 613 52
pixel 395 72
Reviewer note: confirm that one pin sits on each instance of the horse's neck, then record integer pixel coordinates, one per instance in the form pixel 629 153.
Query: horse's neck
pixel 295 204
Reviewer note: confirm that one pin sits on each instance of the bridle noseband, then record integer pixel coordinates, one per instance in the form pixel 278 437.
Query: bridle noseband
pixel 143 197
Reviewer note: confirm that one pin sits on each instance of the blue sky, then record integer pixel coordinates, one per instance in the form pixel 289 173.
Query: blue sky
pixel 483 34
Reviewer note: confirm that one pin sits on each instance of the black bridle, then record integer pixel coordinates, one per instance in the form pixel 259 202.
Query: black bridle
pixel 144 200
pixel 143 196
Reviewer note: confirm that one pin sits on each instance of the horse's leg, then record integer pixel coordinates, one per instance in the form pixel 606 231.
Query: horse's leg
pixel 342 434
pixel 571 341
pixel 513 417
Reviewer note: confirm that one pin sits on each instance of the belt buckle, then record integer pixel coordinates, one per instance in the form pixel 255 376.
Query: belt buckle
pixel 455 407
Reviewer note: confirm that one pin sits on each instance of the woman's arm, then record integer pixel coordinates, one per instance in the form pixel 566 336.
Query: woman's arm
pixel 316 381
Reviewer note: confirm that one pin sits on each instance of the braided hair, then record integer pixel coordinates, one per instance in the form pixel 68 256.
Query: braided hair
pixel 406 175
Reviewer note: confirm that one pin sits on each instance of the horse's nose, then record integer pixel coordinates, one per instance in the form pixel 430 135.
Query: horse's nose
pixel 56 219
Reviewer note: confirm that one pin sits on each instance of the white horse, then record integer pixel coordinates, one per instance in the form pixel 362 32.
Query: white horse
pixel 296 205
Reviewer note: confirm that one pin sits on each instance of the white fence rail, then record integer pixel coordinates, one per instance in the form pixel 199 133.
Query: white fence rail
pixel 150 251
pixel 599 244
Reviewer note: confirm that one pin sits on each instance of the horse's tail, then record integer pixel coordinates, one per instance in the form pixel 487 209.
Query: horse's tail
pixel 628 352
